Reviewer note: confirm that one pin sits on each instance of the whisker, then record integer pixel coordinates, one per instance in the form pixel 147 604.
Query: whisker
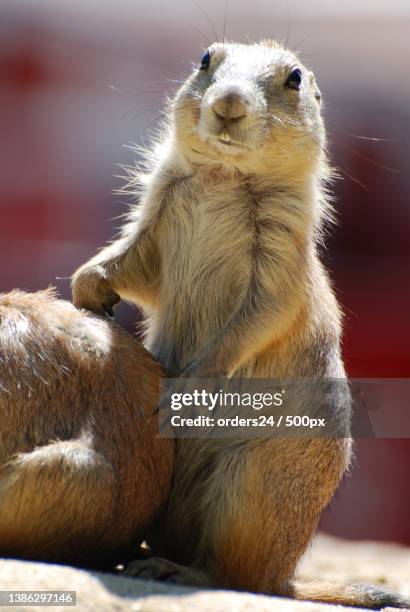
pixel 141 108
pixel 225 20
pixel 351 176
pixel 145 114
pixel 286 121
pixel 205 14
pixel 372 161
pixel 302 40
pixel 286 42
pixel 135 91
pixel 203 35
pixel 177 81
pixel 374 139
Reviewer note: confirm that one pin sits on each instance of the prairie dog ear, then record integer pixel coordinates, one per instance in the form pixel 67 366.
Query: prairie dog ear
pixel 315 88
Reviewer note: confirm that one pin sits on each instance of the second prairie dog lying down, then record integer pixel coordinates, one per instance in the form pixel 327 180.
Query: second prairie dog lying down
pixel 83 474
pixel 222 254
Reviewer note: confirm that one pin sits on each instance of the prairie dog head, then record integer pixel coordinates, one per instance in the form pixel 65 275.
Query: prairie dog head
pixel 250 106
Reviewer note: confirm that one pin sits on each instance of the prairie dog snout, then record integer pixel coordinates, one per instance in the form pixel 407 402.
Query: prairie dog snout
pixel 231 106
pixel 230 114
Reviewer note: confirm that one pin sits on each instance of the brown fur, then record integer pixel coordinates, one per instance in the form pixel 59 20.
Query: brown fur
pixel 222 255
pixel 83 474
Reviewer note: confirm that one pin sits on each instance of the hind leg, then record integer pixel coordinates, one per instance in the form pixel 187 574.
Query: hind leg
pixel 255 540
pixel 258 517
pixel 57 503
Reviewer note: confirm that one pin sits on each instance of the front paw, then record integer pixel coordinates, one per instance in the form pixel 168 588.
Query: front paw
pixel 92 291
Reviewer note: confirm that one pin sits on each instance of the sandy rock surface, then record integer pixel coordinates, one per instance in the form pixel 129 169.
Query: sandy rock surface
pixel 328 559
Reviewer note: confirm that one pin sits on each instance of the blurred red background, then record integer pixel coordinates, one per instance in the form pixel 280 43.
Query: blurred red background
pixel 79 82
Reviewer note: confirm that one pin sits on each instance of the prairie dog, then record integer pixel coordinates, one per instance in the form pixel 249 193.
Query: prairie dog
pixel 221 254
pixel 82 472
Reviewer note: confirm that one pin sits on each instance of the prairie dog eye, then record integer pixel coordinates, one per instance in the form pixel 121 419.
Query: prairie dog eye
pixel 294 80
pixel 205 61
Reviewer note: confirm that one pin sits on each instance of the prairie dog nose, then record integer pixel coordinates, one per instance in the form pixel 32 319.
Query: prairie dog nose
pixel 230 106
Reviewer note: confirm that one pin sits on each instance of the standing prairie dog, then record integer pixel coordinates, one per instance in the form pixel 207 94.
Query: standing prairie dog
pixel 221 254
pixel 83 474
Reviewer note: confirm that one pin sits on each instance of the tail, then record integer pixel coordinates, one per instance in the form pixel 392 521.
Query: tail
pixel 355 595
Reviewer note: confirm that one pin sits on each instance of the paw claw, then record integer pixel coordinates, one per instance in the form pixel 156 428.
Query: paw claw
pixel 153 569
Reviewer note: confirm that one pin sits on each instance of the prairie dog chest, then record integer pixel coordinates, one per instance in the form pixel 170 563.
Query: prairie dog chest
pixel 207 237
